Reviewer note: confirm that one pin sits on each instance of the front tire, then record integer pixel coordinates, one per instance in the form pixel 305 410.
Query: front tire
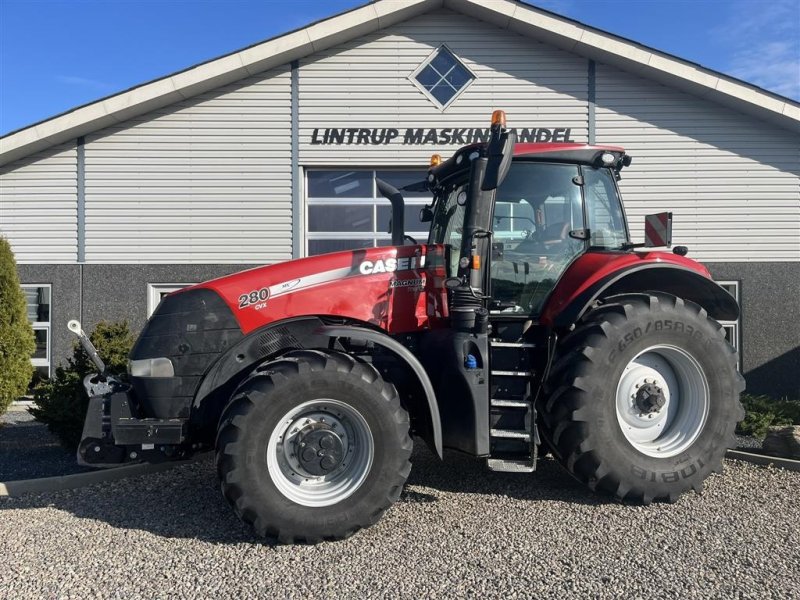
pixel 313 446
pixel 644 398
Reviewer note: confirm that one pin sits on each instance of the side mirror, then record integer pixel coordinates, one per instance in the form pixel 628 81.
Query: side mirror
pixel 425 214
pixel 658 230
pixel 500 153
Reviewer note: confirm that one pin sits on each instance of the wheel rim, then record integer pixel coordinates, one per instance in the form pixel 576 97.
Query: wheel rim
pixel 340 436
pixel 662 401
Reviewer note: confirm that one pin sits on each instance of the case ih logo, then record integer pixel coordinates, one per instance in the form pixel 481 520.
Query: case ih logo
pixel 416 136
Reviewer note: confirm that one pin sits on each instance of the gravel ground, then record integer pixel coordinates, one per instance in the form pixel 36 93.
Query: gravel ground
pixel 458 530
pixel 746 441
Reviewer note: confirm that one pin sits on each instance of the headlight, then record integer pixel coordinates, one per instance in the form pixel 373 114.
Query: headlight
pixel 151 367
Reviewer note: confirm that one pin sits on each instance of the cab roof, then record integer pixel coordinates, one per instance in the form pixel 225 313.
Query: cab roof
pixel 529 148
pixel 564 152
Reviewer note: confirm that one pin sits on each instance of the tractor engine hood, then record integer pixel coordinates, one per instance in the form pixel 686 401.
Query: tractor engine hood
pixel 395 288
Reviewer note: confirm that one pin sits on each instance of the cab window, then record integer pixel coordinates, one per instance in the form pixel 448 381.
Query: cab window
pixel 536 207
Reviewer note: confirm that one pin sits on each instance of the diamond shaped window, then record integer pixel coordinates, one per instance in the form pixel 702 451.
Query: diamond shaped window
pixel 442 77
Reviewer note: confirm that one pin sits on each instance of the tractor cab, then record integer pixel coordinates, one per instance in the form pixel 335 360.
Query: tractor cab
pixel 556 202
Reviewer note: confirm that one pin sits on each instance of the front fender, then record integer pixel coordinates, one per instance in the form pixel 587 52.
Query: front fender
pixel 381 339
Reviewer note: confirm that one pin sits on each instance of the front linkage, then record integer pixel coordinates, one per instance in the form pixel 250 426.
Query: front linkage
pixel 112 435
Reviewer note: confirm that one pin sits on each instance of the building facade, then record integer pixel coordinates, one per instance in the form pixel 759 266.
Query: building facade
pixel 272 152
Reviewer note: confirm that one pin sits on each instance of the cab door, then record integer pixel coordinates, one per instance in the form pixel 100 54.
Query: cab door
pixel 536 208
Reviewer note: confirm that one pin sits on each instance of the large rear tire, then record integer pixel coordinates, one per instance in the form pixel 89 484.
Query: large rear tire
pixel 643 398
pixel 313 446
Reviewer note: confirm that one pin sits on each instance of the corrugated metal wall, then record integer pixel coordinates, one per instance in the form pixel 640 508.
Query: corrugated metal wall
pixel 38 206
pixel 732 182
pixel 205 180
pixel 364 83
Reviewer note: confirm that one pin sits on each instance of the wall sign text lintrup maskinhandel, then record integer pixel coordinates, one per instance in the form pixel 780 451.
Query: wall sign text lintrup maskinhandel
pixel 378 136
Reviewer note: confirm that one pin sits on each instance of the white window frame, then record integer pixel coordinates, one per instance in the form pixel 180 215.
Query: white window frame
pixel 44 326
pixel 413 77
pixel 154 291
pixel 375 201
pixel 736 326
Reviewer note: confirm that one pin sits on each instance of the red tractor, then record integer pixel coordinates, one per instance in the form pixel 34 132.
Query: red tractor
pixel 527 323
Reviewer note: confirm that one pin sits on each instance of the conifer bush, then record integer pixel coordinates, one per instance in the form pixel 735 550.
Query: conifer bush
pixel 16 334
pixel 61 401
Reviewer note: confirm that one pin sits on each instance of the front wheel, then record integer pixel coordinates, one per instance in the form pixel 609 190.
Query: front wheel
pixel 313 446
pixel 644 398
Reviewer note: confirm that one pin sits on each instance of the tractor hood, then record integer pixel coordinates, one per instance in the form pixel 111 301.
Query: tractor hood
pixel 395 288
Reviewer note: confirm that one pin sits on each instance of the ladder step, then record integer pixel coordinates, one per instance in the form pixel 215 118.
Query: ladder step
pixel 513 373
pixel 510 434
pixel 510 466
pixel 499 403
pixel 511 344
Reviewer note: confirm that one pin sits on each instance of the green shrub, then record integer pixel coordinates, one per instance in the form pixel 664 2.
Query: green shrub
pixel 61 401
pixel 16 335
pixel 763 412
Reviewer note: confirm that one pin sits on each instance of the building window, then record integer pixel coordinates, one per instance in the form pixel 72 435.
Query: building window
pixel 442 77
pixel 157 291
pixel 37 300
pixel 345 210
pixel 732 328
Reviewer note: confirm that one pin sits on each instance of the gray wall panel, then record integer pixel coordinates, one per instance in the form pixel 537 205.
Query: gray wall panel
pixel 38 205
pixel 770 302
pixel 733 182
pixel 204 180
pixel 119 292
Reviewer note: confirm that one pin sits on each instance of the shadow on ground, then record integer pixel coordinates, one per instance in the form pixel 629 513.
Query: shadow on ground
pixel 186 502
pixel 28 451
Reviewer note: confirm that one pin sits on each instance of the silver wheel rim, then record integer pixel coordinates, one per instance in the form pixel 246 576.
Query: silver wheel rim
pixel 682 385
pixel 289 475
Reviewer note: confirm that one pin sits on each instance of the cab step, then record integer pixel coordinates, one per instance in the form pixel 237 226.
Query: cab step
pixel 511 465
pixel 510 434
pixel 512 373
pixel 499 403
pixel 493 344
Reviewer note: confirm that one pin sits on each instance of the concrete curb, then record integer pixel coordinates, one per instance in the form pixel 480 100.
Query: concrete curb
pixel 789 464
pixel 13 489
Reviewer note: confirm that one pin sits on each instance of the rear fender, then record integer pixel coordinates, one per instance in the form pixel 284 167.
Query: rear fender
pixel 654 277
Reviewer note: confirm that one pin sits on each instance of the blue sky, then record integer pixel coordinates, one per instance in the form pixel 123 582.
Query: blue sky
pixel 57 54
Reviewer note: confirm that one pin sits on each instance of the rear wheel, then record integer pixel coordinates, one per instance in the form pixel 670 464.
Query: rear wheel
pixel 313 446
pixel 643 398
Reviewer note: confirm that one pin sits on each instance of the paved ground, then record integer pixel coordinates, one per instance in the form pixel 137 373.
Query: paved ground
pixel 457 531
